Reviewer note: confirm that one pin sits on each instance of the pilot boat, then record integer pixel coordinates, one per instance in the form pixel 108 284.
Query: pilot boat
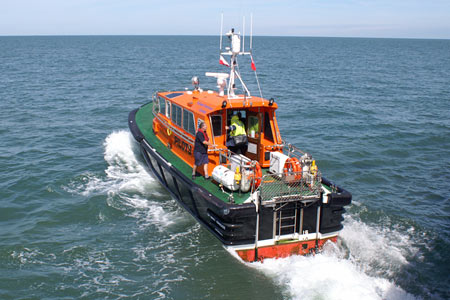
pixel 269 201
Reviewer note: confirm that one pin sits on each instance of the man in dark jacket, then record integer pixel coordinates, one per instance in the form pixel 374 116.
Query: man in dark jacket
pixel 201 150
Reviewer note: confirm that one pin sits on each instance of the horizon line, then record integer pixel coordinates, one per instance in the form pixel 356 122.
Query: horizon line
pixel 209 35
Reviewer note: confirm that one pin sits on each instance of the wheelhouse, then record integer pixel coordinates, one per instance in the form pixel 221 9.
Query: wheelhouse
pixel 178 114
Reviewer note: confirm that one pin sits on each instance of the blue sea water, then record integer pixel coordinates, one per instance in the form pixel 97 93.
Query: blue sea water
pixel 80 218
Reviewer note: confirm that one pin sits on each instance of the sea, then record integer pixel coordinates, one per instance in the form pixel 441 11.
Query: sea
pixel 82 218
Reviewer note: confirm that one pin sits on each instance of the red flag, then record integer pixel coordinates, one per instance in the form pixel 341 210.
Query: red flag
pixel 253 64
pixel 223 61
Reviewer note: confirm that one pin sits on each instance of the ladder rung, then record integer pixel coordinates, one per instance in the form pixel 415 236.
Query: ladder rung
pixel 285 218
pixel 287 226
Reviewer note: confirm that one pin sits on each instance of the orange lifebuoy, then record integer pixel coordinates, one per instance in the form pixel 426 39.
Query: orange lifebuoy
pixel 293 165
pixel 257 175
pixel 169 132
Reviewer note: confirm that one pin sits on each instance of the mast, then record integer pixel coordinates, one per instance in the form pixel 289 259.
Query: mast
pixel 234 51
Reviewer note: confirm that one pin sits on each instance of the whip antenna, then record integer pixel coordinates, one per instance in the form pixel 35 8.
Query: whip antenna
pixel 251 31
pixel 243 34
pixel 221 29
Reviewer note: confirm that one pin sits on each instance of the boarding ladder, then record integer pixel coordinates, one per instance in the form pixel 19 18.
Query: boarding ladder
pixel 285 218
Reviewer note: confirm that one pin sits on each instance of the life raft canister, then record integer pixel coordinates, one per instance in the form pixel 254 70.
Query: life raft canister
pixel 225 176
pixel 292 165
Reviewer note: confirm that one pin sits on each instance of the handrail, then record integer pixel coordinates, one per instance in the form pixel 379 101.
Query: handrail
pixel 289 187
pixel 292 150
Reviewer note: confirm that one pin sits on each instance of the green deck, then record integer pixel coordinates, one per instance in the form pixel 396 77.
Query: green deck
pixel 144 120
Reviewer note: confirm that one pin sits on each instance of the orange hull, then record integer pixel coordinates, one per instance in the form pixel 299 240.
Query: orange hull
pixel 283 250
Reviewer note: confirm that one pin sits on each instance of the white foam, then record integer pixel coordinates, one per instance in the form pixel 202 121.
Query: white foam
pixel 360 266
pixel 149 212
pixel 134 186
pixel 124 172
pixel 378 250
pixel 128 185
pixel 326 276
pixel 120 154
pixel 26 255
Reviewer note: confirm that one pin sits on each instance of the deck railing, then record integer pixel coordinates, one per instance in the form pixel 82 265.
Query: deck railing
pixel 289 187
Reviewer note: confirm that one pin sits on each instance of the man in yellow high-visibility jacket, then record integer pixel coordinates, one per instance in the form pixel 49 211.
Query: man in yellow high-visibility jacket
pixel 238 138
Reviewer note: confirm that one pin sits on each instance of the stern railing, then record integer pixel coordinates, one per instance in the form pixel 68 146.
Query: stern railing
pixel 289 187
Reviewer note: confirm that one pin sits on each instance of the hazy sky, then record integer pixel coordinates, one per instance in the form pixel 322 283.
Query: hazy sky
pixel 350 18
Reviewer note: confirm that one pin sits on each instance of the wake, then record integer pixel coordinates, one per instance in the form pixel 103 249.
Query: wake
pixel 358 267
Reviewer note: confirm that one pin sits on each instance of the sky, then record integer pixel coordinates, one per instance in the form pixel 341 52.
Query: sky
pixel 330 18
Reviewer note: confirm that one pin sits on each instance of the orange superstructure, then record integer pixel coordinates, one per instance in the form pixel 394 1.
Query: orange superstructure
pixel 178 114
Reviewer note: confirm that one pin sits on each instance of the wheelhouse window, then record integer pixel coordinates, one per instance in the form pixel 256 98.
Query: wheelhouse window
pixel 176 114
pixel 162 106
pixel 188 122
pixel 267 129
pixel 156 105
pixel 253 126
pixel 217 125
pixel 165 107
